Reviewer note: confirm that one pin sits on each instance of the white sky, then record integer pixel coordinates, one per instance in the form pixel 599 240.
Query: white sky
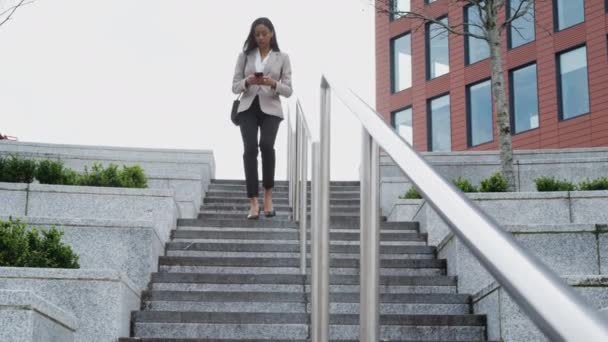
pixel 154 73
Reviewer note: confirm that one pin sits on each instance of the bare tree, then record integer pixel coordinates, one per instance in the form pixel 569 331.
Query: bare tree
pixel 6 12
pixel 488 28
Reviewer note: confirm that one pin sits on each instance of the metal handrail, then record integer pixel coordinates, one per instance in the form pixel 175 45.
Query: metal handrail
pixel 557 310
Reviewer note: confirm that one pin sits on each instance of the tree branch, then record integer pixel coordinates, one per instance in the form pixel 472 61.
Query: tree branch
pixel 520 12
pixel 11 10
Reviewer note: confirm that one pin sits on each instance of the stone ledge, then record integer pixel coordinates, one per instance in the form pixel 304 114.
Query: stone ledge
pixel 98 190
pixel 68 274
pixel 13 186
pixel 30 301
pixel 101 147
pixel 101 299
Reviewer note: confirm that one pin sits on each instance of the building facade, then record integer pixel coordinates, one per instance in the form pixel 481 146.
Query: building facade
pixel 435 88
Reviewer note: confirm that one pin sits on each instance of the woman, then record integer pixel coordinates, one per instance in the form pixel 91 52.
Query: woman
pixel 262 73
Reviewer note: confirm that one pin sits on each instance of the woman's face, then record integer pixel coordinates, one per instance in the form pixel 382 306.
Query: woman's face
pixel 263 35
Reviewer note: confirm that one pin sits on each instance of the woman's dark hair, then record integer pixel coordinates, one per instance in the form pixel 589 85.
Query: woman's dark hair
pixel 251 43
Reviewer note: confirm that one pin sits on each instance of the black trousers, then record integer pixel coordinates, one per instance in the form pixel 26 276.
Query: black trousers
pixel 249 121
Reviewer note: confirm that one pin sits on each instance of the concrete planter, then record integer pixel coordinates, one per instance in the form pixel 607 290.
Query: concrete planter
pixel 101 300
pixel 572 164
pixel 188 172
pixel 520 208
pixel 507 322
pixel 25 317
pixel 405 210
pixel 571 249
pixel 76 202
pixel 130 247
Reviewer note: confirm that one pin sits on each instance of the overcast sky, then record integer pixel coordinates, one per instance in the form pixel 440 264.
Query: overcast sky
pixel 152 73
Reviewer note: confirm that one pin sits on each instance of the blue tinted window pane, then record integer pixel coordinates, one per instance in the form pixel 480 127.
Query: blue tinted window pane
pixel 441 135
pixel 525 99
pixel 402 63
pixel 439 53
pixel 399 6
pixel 477 49
pixel 480 113
pixel 402 121
pixel 522 28
pixel 574 85
pixel 569 13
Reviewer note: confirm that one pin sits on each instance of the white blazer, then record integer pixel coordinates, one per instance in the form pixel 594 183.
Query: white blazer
pixel 278 67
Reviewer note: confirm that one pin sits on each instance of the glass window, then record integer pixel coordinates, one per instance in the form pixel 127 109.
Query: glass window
pixel 402 122
pixel 521 30
pixel 524 99
pixel 573 85
pixel 438 62
pixel 568 13
pixel 429 1
pixel 479 112
pixel 440 137
pixel 399 6
pixel 476 49
pixel 401 63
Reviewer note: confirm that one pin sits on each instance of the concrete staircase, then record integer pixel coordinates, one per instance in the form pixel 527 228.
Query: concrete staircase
pixel 225 278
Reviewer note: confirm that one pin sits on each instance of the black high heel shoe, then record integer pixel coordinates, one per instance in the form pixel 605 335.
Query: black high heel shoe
pixel 270 213
pixel 255 216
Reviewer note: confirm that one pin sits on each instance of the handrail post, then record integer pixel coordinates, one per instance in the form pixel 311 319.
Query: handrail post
pixel 298 188
pixel 289 161
pixel 303 169
pixel 320 273
pixel 369 261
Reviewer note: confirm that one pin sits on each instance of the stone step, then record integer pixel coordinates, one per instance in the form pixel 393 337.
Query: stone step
pixel 337 243
pixel 411 267
pixel 295 279
pixel 288 307
pixel 294 262
pixel 152 339
pixel 409 289
pixel 288 255
pixel 229 325
pixel 335 217
pixel 244 207
pixel 292 248
pixel 281 195
pixel 280 201
pixel 278 182
pixel 296 302
pixel 294 283
pixel 242 222
pixel 294 325
pixel 294 235
pixel 279 188
pixel 298 297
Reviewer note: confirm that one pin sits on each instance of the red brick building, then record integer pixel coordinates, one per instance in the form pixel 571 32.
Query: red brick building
pixel 436 85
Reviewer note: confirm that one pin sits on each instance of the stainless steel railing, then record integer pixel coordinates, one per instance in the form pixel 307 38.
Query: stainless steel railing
pixel 554 307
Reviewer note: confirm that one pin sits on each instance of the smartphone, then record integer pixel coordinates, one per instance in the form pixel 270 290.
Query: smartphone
pixel 259 74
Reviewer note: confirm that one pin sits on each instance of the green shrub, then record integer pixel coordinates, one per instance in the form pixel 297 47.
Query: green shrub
pixel 20 247
pixel 128 177
pixel 133 177
pixel 494 183
pixel 412 193
pixel 51 172
pixel 464 185
pixel 17 170
pixel 552 184
pixel 596 184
